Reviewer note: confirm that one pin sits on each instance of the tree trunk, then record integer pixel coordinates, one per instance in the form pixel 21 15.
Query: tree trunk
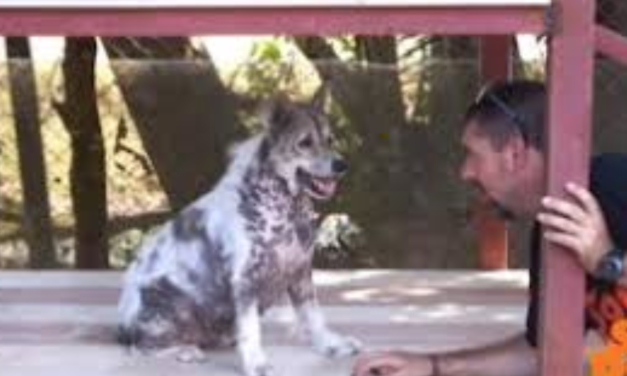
pixel 413 200
pixel 358 86
pixel 369 93
pixel 370 96
pixel 79 113
pixel 36 220
pixel 185 116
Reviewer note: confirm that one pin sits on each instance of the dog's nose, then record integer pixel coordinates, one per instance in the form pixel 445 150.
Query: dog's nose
pixel 339 166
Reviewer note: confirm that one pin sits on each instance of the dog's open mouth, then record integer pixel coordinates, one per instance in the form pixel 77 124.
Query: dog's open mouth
pixel 318 187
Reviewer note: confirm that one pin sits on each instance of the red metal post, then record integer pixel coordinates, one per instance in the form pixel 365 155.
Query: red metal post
pixel 570 83
pixel 492 231
pixel 459 20
pixel 496 59
pixel 611 44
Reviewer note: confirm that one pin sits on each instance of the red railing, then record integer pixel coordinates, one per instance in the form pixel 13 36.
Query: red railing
pixel 573 42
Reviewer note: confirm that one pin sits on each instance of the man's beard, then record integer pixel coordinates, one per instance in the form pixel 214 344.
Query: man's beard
pixel 501 211
pixel 496 207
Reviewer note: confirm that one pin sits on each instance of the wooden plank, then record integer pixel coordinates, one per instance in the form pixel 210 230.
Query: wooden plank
pixel 570 75
pixel 268 20
pixel 263 3
pixel 436 279
pixel 65 321
pixel 390 335
pixel 346 295
pixel 449 312
pixel 611 44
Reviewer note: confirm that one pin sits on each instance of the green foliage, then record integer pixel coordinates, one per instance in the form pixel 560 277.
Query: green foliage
pixel 264 72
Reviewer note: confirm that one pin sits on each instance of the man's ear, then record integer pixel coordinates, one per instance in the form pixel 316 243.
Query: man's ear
pixel 519 153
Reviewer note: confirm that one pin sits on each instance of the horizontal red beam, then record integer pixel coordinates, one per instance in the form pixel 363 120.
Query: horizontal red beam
pixel 263 20
pixel 611 44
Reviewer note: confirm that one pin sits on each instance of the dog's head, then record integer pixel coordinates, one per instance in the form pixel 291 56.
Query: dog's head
pixel 298 145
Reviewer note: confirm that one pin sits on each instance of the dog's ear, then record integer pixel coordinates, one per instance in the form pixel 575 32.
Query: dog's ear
pixel 276 114
pixel 320 96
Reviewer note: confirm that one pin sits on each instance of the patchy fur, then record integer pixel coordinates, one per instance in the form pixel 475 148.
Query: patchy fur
pixel 203 280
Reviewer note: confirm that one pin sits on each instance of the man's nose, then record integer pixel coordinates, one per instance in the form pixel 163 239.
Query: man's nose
pixel 466 173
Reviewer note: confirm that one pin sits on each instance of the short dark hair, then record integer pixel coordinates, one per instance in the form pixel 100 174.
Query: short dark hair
pixel 504 109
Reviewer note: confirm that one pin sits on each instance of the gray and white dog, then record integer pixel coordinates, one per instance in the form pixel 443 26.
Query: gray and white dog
pixel 204 278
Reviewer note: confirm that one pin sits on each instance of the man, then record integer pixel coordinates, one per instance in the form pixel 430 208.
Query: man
pixel 504 142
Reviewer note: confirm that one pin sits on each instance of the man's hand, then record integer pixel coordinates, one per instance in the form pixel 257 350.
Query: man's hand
pixel 394 363
pixel 577 225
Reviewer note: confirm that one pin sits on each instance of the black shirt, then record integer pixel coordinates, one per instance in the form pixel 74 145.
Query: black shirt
pixel 604 303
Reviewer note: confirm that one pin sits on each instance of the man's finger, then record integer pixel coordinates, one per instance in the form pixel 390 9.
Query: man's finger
pixel 585 198
pixel 384 363
pixel 565 208
pixel 567 241
pixel 559 224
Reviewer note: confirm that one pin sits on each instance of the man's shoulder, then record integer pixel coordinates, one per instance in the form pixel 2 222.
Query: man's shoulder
pixel 609 169
pixel 609 161
pixel 608 183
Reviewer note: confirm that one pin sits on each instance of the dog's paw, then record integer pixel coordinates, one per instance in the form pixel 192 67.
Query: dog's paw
pixel 191 354
pixel 256 364
pixel 260 370
pixel 183 354
pixel 333 345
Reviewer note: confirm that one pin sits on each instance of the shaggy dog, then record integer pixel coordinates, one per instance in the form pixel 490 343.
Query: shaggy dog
pixel 204 278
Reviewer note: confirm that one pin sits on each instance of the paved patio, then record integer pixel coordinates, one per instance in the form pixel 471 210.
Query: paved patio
pixel 62 323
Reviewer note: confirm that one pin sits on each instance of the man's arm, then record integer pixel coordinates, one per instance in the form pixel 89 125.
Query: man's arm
pixel 512 357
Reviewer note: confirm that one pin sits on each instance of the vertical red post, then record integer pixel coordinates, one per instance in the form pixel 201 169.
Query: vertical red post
pixel 492 231
pixel 570 79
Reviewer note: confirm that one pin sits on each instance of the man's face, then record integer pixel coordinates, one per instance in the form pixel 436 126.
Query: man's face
pixel 492 170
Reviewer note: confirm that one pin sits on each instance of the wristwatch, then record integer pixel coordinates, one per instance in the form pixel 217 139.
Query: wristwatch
pixel 611 266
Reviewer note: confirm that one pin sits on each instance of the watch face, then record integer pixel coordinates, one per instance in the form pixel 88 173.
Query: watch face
pixel 610 269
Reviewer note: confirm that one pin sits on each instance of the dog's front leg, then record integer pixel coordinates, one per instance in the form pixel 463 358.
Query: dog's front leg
pixel 248 328
pixel 325 341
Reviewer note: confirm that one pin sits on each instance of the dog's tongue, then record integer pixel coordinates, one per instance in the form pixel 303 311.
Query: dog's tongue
pixel 326 186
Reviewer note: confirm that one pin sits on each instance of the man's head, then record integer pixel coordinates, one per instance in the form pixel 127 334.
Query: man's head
pixel 504 140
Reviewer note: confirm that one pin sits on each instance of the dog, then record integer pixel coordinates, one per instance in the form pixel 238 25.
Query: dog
pixel 203 280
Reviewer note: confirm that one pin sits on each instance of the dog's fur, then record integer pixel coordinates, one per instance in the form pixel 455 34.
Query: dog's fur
pixel 204 279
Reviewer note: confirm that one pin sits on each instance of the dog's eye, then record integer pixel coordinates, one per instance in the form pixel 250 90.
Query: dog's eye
pixel 305 142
